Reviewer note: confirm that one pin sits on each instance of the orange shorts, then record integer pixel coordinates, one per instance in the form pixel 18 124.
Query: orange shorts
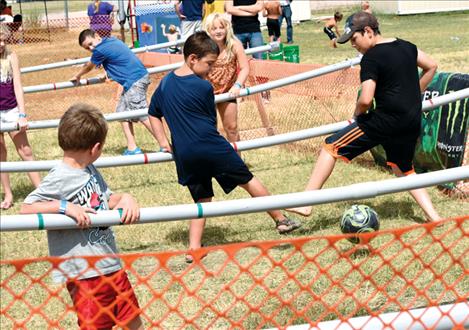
pixel 104 301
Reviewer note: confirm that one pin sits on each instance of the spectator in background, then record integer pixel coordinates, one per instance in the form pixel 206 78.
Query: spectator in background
pixel 286 13
pixel 6 15
pixel 366 7
pixel 101 17
pixel 332 23
pixel 245 20
pixel 190 13
pixel 172 35
pixel 272 11
pixel 214 6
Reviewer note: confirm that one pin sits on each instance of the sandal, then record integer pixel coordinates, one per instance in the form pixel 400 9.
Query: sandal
pixel 190 257
pixel 289 223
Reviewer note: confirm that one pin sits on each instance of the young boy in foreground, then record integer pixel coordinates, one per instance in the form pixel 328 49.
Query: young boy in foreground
pixel 186 100
pixel 101 293
pixel 389 75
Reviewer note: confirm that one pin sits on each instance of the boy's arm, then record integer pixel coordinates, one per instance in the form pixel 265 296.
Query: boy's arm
pixel 280 9
pixel 84 70
pixel 178 12
pixel 77 212
pixel 366 97
pixel 265 13
pixel 129 206
pixel 254 9
pixel 243 68
pixel 428 66
pixel 336 26
pixel 157 127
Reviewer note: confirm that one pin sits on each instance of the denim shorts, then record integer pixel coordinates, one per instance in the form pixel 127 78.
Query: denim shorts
pixel 135 98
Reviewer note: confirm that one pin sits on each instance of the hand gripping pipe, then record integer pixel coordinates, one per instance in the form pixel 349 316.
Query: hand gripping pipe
pixel 45 165
pixel 241 206
pixel 86 59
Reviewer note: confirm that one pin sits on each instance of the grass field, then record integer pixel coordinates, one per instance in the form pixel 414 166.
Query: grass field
pixel 282 169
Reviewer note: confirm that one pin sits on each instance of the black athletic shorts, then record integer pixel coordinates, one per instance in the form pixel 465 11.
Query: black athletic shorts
pixel 273 27
pixel 227 181
pixel 351 142
pixel 330 33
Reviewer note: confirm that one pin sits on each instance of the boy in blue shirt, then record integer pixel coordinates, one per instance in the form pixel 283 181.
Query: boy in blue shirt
pixel 125 68
pixel 186 100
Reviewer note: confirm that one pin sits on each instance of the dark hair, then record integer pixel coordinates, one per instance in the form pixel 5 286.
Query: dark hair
pixel 85 34
pixel 200 44
pixel 338 16
pixel 81 127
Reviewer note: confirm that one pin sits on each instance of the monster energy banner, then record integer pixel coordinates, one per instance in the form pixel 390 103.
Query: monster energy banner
pixel 444 130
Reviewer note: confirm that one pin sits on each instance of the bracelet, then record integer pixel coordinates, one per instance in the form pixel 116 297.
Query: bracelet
pixel 63 206
pixel 22 115
pixel 237 84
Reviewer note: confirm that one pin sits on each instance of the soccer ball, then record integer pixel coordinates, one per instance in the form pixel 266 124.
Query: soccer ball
pixel 359 219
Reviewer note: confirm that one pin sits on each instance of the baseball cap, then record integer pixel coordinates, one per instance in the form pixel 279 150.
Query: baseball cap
pixel 357 22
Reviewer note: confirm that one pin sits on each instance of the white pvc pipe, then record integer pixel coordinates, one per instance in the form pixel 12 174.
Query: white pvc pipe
pixel 86 59
pixel 241 206
pixel 98 80
pixel 45 165
pixel 159 157
pixel 443 317
pixel 218 98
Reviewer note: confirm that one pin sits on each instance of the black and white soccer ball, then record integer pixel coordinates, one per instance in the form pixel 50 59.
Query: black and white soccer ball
pixel 359 219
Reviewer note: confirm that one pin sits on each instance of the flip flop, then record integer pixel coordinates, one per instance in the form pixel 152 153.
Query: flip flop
pixel 191 257
pixel 289 223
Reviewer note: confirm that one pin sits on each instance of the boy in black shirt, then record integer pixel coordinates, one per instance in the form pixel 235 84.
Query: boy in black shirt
pixel 389 75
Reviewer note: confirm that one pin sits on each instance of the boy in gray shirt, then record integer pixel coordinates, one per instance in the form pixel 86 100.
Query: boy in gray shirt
pixel 75 188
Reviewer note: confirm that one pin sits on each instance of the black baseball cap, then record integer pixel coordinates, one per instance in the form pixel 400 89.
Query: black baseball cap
pixel 357 22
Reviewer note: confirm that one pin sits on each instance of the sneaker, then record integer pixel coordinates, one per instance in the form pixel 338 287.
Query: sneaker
pixel 136 151
pixel 290 42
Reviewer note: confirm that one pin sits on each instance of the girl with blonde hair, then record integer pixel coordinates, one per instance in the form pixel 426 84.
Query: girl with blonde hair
pixel 229 72
pixel 12 111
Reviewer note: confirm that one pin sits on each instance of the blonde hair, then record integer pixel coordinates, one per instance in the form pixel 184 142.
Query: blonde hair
pixel 4 62
pixel 172 28
pixel 230 38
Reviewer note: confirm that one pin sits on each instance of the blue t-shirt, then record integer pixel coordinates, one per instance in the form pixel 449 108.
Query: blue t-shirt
pixel 119 62
pixel 193 9
pixel 188 105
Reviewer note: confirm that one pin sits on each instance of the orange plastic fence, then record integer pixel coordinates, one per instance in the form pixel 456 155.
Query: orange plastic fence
pixel 266 284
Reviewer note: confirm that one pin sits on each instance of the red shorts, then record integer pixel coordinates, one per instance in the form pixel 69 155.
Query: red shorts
pixel 104 301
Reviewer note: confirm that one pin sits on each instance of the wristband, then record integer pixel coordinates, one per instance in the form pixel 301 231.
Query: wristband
pixel 63 206
pixel 22 115
pixel 237 84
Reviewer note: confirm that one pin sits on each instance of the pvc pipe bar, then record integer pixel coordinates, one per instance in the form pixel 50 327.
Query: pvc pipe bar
pixel 218 98
pixel 86 59
pixel 159 157
pixel 45 165
pixel 98 80
pixel 443 317
pixel 241 206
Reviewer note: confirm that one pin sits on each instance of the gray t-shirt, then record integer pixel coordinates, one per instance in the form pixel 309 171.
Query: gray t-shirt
pixel 85 187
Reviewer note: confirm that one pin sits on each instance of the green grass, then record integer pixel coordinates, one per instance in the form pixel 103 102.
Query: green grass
pixel 282 169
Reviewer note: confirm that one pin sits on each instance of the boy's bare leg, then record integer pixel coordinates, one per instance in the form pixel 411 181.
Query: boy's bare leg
pixel 147 125
pixel 321 172
pixel 422 198
pixel 196 229
pixel 283 224
pixel 128 129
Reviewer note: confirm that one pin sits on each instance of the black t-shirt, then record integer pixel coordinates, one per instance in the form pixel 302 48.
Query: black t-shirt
pixel 398 105
pixel 245 24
